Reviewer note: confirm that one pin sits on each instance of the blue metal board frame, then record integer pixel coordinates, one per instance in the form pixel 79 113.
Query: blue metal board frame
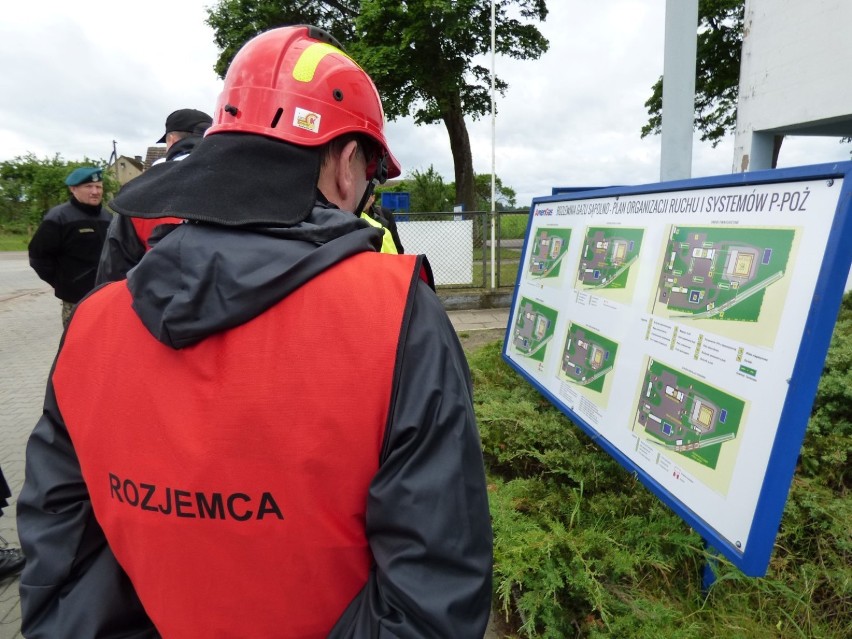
pixel 807 369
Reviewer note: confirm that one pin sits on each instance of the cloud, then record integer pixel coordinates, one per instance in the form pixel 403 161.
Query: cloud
pixel 75 79
pixel 78 79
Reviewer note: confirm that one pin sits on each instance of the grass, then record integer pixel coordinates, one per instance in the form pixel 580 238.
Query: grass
pixel 13 241
pixel 513 225
pixel 503 253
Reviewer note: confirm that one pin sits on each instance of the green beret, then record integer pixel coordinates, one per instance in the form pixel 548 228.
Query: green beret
pixel 83 175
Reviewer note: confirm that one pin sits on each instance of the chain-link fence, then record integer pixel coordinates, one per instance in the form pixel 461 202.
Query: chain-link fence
pixel 459 246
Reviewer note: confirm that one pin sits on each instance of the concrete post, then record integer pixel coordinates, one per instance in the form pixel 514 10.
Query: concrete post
pixel 678 89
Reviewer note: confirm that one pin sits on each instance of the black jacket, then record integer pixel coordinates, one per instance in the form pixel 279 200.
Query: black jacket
pixel 432 573
pixel 183 147
pixel 65 249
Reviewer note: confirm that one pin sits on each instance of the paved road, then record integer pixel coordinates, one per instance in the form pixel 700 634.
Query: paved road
pixel 30 330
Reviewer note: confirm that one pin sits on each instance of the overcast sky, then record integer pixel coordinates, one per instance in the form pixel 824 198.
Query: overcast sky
pixel 77 76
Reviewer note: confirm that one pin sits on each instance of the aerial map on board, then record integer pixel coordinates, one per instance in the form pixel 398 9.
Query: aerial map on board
pixel 684 415
pixel 721 273
pixel 608 253
pixel 588 357
pixel 550 245
pixel 533 329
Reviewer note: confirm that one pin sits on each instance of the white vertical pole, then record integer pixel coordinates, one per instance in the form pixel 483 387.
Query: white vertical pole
pixel 678 89
pixel 493 153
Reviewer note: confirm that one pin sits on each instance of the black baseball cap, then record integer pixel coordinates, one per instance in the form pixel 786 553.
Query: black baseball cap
pixel 187 120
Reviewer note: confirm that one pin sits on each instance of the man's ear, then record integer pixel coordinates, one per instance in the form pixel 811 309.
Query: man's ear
pixel 338 180
pixel 347 180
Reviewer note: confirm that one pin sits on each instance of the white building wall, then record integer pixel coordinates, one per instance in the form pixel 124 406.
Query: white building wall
pixel 795 75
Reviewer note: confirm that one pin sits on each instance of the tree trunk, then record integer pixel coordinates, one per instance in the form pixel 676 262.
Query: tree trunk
pixel 462 158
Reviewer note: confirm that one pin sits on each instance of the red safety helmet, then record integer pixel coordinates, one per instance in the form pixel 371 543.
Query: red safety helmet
pixel 295 84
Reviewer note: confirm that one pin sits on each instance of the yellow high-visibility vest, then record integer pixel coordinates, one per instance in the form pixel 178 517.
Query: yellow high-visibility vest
pixel 388 245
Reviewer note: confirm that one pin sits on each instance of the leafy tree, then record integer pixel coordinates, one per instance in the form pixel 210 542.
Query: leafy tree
pixel 719 48
pixel 504 196
pixel 420 54
pixel 428 191
pixel 235 22
pixel 29 186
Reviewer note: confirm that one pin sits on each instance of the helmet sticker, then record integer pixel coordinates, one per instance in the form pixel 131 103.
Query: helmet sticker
pixel 307 120
pixel 308 62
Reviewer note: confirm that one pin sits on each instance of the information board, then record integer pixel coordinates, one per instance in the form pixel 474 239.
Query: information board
pixel 684 326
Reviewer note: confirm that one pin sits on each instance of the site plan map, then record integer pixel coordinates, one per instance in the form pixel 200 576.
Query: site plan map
pixel 667 324
pixel 549 247
pixel 534 329
pixel 607 256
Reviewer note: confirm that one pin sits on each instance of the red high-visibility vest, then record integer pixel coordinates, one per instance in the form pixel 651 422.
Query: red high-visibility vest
pixel 230 477
pixel 144 227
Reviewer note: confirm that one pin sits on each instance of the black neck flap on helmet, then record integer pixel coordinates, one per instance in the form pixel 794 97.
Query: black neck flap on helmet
pixel 235 179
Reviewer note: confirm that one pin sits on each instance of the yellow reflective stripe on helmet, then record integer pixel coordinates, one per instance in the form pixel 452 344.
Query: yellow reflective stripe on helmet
pixel 308 62
pixel 388 245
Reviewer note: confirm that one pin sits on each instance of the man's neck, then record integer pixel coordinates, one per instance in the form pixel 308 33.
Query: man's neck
pixel 91 209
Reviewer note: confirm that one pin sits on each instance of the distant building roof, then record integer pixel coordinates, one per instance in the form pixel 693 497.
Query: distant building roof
pixel 137 161
pixel 154 154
